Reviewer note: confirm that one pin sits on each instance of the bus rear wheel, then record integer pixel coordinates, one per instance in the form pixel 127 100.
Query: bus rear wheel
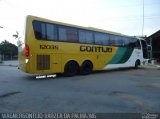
pixel 86 68
pixel 137 63
pixel 71 68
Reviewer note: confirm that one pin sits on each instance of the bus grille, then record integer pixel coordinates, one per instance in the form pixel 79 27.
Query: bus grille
pixel 43 62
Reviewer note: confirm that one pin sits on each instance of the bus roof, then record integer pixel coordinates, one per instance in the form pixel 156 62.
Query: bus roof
pixel 72 25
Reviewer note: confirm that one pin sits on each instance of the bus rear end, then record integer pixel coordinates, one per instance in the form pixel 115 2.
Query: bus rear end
pixel 23 51
pixel 24 48
pixel 32 56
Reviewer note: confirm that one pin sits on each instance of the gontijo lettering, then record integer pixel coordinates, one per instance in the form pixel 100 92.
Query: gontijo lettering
pixel 84 48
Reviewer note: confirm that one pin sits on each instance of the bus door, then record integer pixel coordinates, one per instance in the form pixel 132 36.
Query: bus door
pixel 144 49
pixel 149 49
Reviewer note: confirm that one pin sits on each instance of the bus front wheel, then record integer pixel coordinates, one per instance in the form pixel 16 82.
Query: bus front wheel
pixel 71 68
pixel 86 68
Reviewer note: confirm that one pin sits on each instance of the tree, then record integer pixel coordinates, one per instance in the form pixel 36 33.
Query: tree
pixel 8 49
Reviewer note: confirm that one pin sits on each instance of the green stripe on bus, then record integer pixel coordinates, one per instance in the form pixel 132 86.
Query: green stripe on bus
pixel 122 55
pixel 120 52
pixel 126 56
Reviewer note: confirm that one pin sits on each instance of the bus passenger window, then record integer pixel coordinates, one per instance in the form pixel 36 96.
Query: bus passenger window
pixel 89 37
pixel 51 32
pixel 101 38
pixel 85 36
pixel 116 40
pixel 43 30
pixel 62 34
pixel 82 36
pixel 111 42
pixel 39 30
pixel 72 34
pixel 125 41
pixel 68 34
pixel 134 43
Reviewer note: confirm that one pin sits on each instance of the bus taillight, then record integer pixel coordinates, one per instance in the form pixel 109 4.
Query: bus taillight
pixel 27 50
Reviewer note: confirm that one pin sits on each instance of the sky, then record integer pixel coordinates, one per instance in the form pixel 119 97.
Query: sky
pixel 122 16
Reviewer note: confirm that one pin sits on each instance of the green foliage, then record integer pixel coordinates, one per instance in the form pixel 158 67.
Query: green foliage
pixel 8 48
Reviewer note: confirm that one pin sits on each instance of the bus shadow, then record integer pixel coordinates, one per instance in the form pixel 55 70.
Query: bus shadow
pixel 116 70
pixel 62 76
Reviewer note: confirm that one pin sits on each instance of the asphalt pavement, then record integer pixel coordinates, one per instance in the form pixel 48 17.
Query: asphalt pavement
pixel 120 91
pixel 10 63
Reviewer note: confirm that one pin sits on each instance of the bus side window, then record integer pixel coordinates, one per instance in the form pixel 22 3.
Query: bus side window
pixel 62 33
pixel 134 43
pixel 39 30
pixel 43 30
pixel 111 40
pixel 101 38
pixel 72 34
pixel 89 37
pixel 116 40
pixel 68 34
pixel 120 41
pixel 51 32
pixel 107 39
pixel 85 36
pixel 82 36
pixel 130 44
pixel 125 41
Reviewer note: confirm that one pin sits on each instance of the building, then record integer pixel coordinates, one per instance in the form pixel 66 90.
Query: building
pixel 154 41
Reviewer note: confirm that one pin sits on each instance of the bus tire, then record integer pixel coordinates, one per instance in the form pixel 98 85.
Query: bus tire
pixel 71 68
pixel 86 67
pixel 137 63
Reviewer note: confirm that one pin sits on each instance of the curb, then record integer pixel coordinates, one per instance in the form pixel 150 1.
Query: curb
pixel 9 65
pixel 152 66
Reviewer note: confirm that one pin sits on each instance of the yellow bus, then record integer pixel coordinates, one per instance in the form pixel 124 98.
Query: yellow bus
pixel 51 47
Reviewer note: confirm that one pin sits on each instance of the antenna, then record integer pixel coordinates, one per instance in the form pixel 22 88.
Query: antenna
pixel 143 19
